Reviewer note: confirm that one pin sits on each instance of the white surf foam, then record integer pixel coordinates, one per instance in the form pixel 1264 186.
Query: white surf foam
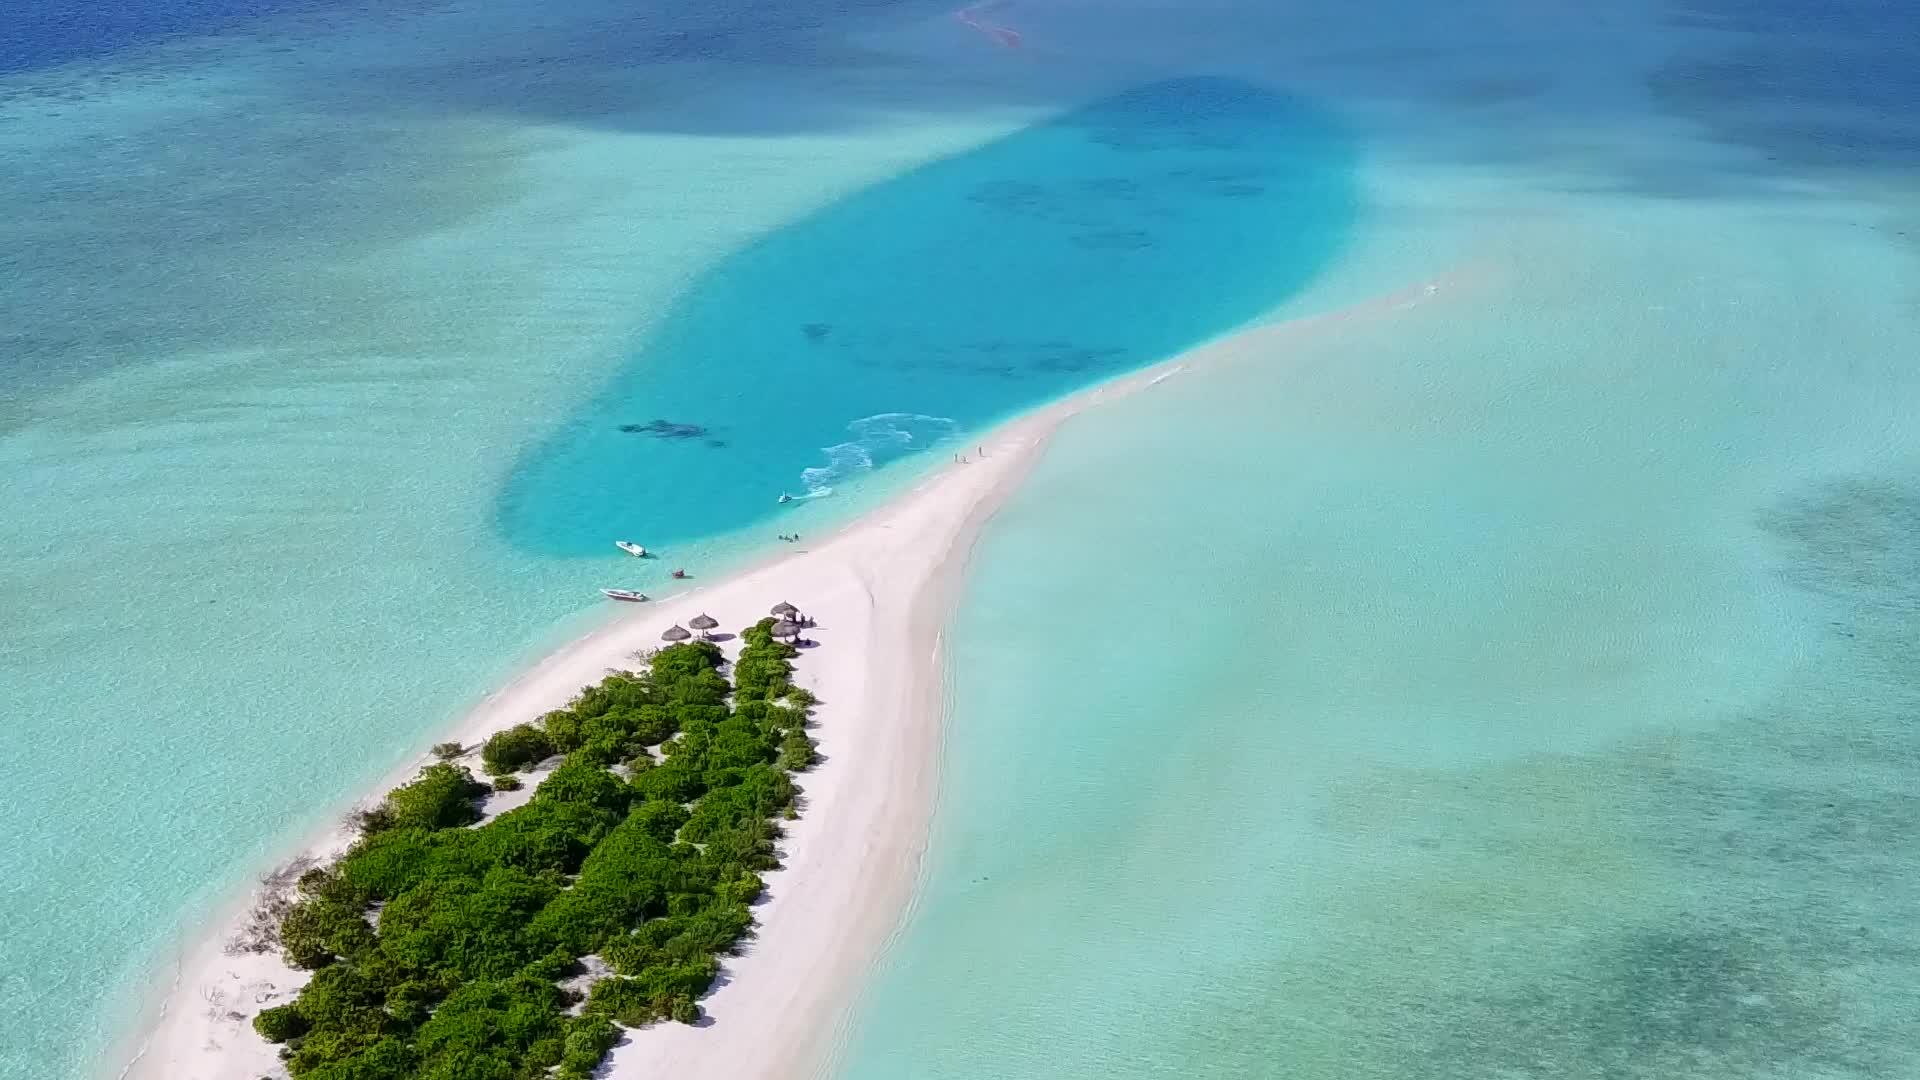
pixel 877 439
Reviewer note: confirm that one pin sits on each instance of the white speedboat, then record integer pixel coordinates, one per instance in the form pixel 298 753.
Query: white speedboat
pixel 631 548
pixel 624 594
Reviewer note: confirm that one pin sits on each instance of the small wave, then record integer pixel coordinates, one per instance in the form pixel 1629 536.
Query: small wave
pixel 876 440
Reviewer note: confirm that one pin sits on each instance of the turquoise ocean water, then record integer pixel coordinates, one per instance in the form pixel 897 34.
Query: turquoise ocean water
pixel 1520 684
pixel 1517 684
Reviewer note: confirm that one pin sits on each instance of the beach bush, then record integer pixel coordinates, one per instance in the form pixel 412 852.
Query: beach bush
pixel 439 948
pixel 318 930
pixel 447 751
pixel 323 881
pixel 441 797
pixel 280 1023
pixel 410 1002
pixel 563 730
pixel 385 1058
pixel 587 1042
pixel 506 782
pixel 514 749
pixel 796 751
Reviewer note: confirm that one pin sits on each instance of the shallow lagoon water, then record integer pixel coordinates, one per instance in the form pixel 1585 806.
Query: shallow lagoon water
pixel 1115 235
pixel 1517 683
pixel 1450 709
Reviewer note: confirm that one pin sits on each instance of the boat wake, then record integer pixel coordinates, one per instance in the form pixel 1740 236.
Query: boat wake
pixel 877 440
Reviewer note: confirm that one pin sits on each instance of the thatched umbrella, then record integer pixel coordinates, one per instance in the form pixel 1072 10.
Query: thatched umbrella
pixel 786 628
pixel 676 632
pixel 703 622
pixel 784 610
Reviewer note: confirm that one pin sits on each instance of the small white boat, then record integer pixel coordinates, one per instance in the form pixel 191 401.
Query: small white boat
pixel 631 548
pixel 785 498
pixel 624 594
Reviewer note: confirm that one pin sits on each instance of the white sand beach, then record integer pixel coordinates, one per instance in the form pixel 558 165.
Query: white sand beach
pixel 880 590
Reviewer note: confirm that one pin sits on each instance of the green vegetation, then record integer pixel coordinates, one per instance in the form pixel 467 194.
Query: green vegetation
pixel 439 949
pixel 519 747
pixel 447 751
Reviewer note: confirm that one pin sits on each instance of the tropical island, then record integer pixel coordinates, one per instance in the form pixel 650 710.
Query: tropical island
pixel 451 947
pixel 456 936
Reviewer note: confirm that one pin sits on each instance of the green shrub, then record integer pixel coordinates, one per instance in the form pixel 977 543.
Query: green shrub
pixel 670 782
pixel 447 751
pixel 342 999
pixel 382 1059
pixel 506 782
pixel 334 1055
pixel 656 995
pixel 660 820
pixel 280 1023
pixel 783 718
pixel 476 925
pixel 563 730
pixel 796 751
pixel 326 883
pixel 383 866
pixel 441 797
pixel 316 931
pixel 588 1040
pixel 588 785
pixel 410 1002
pixel 556 965
pixel 600 752
pixel 514 749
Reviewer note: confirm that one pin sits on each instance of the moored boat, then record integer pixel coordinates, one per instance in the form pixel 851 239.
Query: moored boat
pixel 624 594
pixel 631 548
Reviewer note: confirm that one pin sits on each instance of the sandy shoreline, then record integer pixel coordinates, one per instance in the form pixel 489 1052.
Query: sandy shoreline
pixel 880 589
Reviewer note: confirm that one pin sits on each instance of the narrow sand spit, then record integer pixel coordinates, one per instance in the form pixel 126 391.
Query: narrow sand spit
pixel 880 590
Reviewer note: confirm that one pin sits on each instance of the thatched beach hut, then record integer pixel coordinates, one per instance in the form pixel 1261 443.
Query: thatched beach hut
pixel 786 628
pixel 676 633
pixel 784 610
pixel 703 622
